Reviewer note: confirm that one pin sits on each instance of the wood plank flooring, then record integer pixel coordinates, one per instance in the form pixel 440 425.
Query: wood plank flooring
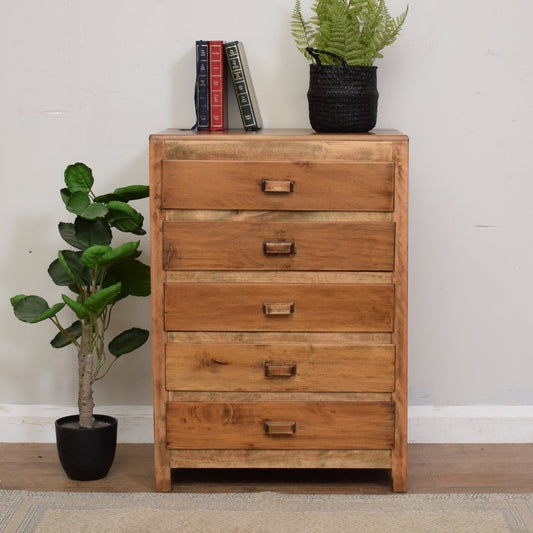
pixel 435 468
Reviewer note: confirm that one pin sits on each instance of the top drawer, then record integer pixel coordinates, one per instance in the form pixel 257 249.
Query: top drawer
pixel 307 186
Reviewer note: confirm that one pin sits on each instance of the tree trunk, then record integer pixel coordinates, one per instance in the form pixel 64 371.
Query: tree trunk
pixel 85 390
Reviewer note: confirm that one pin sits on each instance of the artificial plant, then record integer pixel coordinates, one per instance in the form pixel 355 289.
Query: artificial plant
pixel 98 275
pixel 356 30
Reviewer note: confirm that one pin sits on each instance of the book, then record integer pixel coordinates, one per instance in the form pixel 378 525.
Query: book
pixel 217 100
pixel 201 96
pixel 242 83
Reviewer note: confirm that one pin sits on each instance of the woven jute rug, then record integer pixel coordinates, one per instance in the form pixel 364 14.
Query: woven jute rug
pixel 263 512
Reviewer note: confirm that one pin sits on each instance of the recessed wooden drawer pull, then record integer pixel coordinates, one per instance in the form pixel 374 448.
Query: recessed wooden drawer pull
pixel 279 247
pixel 280 370
pixel 282 186
pixel 278 308
pixel 280 427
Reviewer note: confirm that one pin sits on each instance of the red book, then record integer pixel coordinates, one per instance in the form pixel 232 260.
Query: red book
pixel 216 86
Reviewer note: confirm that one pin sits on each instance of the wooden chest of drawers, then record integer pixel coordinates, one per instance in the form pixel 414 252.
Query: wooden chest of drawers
pixel 279 300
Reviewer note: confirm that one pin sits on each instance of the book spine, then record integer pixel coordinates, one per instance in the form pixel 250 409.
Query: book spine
pixel 242 83
pixel 202 85
pixel 216 85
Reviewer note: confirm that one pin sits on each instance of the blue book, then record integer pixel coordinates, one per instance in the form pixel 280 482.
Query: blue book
pixel 201 96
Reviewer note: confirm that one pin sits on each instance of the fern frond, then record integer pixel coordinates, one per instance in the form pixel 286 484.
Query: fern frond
pixel 301 30
pixel 332 21
pixel 387 32
pixel 357 30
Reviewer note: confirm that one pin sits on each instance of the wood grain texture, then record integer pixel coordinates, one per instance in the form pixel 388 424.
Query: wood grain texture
pixel 433 468
pixel 286 337
pixel 274 149
pixel 324 425
pixel 366 246
pixel 317 307
pixel 162 458
pixel 265 222
pixel 275 276
pixel 399 457
pixel 271 396
pixel 277 134
pixel 351 186
pixel 245 367
pixel 236 215
pixel 276 459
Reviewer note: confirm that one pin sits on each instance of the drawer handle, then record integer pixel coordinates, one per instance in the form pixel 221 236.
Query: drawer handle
pixel 280 370
pixel 278 308
pixel 279 247
pixel 282 428
pixel 277 186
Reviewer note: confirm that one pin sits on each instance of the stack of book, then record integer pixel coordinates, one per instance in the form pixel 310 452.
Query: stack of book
pixel 213 59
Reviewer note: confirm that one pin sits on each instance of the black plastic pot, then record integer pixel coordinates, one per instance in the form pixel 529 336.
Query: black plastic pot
pixel 86 454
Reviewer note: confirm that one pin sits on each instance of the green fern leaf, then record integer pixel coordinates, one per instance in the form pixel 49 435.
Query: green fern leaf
pixel 356 30
pixel 302 31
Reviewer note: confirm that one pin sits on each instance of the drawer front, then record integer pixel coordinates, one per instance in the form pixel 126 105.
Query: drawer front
pixel 280 425
pixel 307 186
pixel 364 246
pixel 275 367
pixel 279 307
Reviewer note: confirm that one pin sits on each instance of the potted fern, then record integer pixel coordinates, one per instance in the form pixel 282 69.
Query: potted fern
pixel 99 276
pixel 344 38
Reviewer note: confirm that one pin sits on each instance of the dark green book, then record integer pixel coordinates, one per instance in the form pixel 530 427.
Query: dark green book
pixel 242 83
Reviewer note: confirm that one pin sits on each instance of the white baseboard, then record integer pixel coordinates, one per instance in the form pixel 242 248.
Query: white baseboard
pixel 427 424
pixel 473 423
pixel 35 423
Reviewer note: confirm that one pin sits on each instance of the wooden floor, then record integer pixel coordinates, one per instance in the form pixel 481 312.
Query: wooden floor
pixel 435 468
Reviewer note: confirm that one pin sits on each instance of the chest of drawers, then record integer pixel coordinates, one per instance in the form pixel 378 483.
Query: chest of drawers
pixel 279 300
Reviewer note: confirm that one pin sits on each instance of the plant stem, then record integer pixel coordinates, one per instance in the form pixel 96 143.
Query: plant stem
pixel 58 325
pixel 85 392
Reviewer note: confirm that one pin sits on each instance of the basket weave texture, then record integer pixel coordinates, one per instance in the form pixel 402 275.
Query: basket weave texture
pixel 342 98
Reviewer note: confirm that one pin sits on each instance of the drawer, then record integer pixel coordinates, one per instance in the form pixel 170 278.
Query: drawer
pixel 280 425
pixel 280 367
pixel 307 186
pixel 279 307
pixel 364 246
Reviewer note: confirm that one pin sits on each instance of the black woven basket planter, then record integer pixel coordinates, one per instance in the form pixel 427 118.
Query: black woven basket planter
pixel 342 98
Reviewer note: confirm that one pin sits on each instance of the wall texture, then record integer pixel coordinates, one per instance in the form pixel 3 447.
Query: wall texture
pixel 89 81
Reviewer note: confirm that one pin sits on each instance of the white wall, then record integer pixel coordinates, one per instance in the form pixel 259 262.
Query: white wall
pixel 89 81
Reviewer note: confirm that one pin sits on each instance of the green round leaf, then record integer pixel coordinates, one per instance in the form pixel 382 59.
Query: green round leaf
pixel 94 211
pixel 93 255
pixel 132 192
pixel 97 301
pixel 61 340
pixel 79 177
pixel 49 313
pixel 68 233
pixel 71 262
pixel 16 299
pixel 124 251
pixel 92 232
pixel 75 288
pixel 30 308
pixel 123 217
pixel 78 202
pixel 59 275
pixel 128 341
pixel 78 308
pixel 65 195
pixel 135 277
pixel 105 198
